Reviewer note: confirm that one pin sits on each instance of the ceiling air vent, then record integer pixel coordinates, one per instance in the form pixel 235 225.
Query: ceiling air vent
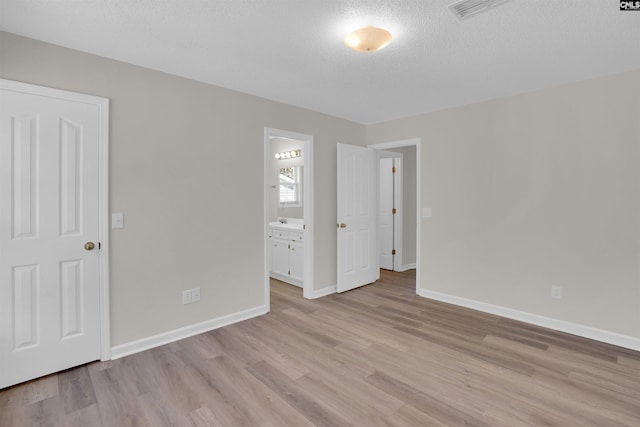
pixel 466 8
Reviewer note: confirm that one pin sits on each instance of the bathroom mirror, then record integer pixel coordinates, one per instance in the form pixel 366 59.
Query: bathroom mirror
pixel 290 186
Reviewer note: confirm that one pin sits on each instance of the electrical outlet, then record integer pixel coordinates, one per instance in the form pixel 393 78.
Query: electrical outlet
pixel 556 292
pixel 190 296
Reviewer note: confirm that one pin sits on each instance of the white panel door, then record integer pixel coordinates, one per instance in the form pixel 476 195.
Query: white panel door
pixel 358 261
pixel 49 282
pixel 385 213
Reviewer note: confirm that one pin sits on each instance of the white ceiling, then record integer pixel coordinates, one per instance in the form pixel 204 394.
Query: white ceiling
pixel 292 50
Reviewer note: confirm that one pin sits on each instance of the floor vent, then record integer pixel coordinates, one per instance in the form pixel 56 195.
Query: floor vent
pixel 466 8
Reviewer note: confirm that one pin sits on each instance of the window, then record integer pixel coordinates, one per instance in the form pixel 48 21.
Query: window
pixel 289 186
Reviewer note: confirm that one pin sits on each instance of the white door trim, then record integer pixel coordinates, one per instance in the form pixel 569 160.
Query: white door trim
pixel 103 197
pixel 418 144
pixel 307 203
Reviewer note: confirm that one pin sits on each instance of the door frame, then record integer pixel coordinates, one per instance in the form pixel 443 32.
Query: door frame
pixel 418 144
pixel 307 205
pixel 397 202
pixel 103 192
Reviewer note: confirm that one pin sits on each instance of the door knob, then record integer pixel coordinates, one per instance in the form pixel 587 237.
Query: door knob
pixel 342 225
pixel 89 246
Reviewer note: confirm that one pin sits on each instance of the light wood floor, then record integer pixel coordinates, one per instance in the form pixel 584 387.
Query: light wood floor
pixel 375 356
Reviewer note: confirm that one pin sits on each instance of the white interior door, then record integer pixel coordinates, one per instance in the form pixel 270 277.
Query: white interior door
pixel 49 206
pixel 386 213
pixel 358 261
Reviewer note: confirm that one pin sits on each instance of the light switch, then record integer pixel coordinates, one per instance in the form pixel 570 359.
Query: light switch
pixel 117 220
pixel 426 212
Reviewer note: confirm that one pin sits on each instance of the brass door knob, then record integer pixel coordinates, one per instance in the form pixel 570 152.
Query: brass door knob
pixel 89 246
pixel 342 225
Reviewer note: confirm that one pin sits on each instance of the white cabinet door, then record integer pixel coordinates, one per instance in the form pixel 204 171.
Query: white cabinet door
pixel 280 257
pixel 296 261
pixel 49 282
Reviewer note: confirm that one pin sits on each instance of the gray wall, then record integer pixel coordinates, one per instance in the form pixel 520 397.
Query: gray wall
pixel 531 191
pixel 173 145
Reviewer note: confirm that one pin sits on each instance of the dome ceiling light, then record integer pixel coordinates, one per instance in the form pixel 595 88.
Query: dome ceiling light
pixel 368 39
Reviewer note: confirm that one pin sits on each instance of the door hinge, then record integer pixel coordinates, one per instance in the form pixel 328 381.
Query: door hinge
pixel 393 211
pixel 393 169
pixel 393 251
pixel 99 245
pixel 304 227
pixel 289 272
pixel 289 247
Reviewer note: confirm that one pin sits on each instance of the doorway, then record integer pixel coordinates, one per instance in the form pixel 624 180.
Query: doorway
pixel 357 210
pixel 407 217
pixel 288 209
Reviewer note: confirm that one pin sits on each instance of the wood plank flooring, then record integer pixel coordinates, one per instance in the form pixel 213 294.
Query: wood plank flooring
pixel 374 356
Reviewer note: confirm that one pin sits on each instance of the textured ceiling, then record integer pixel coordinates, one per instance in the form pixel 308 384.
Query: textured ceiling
pixel 292 50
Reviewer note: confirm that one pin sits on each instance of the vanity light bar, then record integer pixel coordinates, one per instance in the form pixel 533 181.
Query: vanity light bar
pixel 288 155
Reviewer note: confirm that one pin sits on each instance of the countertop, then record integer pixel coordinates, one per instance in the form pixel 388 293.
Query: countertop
pixel 286 227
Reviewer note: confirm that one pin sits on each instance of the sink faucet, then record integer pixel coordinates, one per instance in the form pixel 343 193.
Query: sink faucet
pixel 283 220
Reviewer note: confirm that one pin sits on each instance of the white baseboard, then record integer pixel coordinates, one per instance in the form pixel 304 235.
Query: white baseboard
pixel 137 346
pixel 406 267
pixel 546 322
pixel 324 292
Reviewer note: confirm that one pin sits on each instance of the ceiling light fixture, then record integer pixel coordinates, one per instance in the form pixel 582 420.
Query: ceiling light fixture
pixel 368 39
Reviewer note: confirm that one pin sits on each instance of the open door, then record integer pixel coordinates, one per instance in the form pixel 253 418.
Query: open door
pixel 358 260
pixel 50 260
pixel 390 209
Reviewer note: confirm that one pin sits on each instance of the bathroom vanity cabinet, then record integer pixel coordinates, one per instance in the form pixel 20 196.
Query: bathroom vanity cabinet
pixel 286 256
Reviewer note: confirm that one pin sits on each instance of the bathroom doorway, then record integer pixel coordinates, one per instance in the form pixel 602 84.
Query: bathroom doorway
pixel 288 209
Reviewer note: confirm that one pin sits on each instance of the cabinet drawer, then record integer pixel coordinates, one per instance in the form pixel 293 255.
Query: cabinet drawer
pixel 279 234
pixel 297 235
